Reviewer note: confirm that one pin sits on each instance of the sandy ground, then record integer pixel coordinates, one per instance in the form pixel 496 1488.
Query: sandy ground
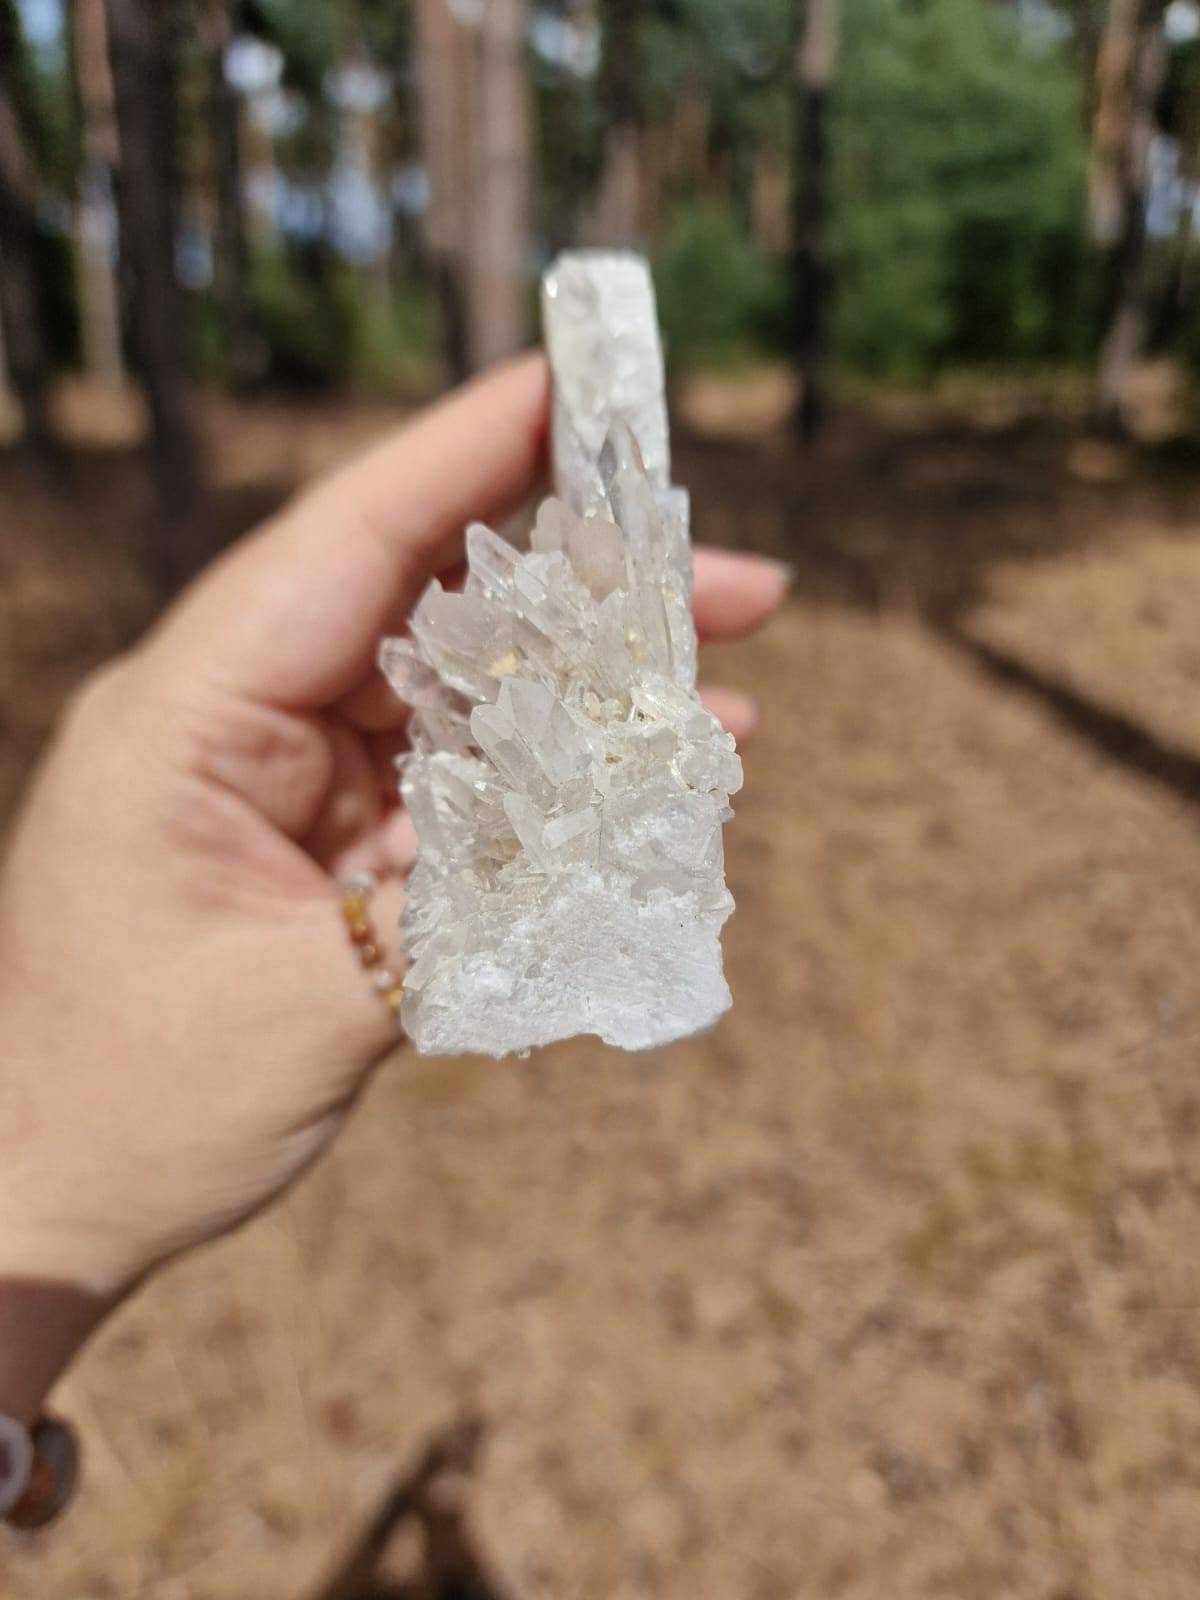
pixel 891 1286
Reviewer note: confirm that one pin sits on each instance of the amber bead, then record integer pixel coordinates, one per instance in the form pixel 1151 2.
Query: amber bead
pixel 355 907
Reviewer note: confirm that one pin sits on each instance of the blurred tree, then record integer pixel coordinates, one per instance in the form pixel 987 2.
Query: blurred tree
pixel 94 218
pixel 719 299
pixel 23 339
pixel 362 208
pixel 141 53
pixel 1179 118
pixel 389 29
pixel 1130 71
pixel 443 81
pixel 565 61
pixel 810 272
pixel 615 222
pixel 303 304
pixel 1083 23
pixel 957 189
pixel 937 180
pixel 503 147
pixel 231 254
pixel 476 110
pixel 9 403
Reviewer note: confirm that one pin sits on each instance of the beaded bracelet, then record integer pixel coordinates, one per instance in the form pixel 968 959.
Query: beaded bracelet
pixel 39 1467
pixel 356 906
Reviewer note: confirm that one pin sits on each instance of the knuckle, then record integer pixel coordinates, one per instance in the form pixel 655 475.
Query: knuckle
pixel 99 713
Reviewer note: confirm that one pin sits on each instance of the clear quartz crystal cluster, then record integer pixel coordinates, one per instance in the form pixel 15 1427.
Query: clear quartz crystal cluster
pixel 567 786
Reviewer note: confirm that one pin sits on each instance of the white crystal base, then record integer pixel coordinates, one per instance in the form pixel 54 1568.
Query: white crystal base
pixel 637 975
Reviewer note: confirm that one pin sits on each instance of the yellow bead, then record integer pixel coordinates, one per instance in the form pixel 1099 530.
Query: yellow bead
pixel 393 998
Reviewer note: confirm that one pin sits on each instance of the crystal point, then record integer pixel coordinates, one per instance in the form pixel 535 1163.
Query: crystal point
pixel 567 786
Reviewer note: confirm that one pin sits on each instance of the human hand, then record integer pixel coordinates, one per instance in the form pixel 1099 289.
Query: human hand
pixel 185 1024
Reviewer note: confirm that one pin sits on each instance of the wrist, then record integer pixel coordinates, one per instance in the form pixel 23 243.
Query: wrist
pixel 55 1229
pixel 42 1326
pixel 58 1220
pixel 54 1289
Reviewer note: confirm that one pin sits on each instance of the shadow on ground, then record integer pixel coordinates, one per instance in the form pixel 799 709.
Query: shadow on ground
pixel 881 517
pixel 432 1503
pixel 916 520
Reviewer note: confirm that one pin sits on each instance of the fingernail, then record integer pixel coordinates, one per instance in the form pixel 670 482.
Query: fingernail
pixel 784 570
pixel 743 708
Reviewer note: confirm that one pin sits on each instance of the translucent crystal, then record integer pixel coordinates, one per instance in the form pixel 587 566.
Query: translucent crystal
pixel 567 786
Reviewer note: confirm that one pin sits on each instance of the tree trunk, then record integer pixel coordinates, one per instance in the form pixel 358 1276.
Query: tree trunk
pixel 142 58
pixel 95 222
pixel 231 263
pixel 442 79
pixel 770 199
pixel 498 290
pixel 1130 69
pixel 559 186
pixel 20 310
pixel 615 220
pixel 1088 18
pixel 810 273
pixel 10 406
pixel 1175 296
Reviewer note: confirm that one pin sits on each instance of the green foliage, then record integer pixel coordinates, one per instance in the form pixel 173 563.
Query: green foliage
pixel 958 190
pixel 956 184
pixel 392 350
pixel 301 317
pixel 717 295
pixel 323 325
pixel 956 198
pixel 738 56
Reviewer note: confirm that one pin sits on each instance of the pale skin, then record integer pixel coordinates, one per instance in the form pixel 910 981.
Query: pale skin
pixel 185 1025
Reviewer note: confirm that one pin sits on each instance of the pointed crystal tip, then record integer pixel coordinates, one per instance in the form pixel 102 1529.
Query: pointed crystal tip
pixel 619 453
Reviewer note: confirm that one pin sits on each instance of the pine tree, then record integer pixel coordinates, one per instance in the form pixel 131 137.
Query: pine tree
pixel 442 65
pixel 616 222
pixel 141 52
pixel 814 70
pixel 1130 70
pixel 20 310
pixel 231 254
pixel 499 234
pixel 95 214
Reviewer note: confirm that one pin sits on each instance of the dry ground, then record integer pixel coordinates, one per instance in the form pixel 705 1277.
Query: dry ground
pixel 891 1286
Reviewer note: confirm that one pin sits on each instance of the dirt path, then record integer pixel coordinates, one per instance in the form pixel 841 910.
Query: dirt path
pixel 890 1286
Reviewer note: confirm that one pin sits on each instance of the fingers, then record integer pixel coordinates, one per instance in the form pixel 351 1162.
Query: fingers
pixel 737 713
pixel 474 455
pixel 735 594
pixel 398 842
pixel 293 615
pixel 336 989
pixel 352 808
pixel 373 706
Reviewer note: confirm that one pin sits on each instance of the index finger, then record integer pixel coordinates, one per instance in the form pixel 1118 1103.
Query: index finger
pixel 292 616
pixel 475 455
